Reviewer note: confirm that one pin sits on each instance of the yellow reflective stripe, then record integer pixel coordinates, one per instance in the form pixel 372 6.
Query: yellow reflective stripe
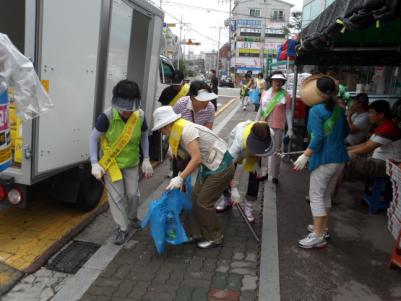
pixel 250 161
pixel 183 92
pixel 377 23
pixel 175 135
pixel 110 153
pixel 338 21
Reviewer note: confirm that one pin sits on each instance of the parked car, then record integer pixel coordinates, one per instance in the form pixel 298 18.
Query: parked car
pixel 226 82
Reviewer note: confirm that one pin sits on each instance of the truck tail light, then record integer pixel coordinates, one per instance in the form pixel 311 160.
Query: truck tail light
pixel 14 196
pixel 3 193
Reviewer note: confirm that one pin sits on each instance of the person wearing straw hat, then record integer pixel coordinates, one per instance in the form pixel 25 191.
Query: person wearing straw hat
pixel 326 153
pixel 275 108
pixel 248 142
pixel 121 130
pixel 197 108
pixel 209 154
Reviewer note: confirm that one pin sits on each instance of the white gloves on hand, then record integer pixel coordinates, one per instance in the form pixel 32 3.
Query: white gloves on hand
pixel 235 196
pixel 147 168
pixel 175 183
pixel 301 162
pixel 290 133
pixel 97 171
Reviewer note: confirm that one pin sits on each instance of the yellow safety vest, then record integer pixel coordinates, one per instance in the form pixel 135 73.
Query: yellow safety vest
pixel 175 136
pixel 250 160
pixel 183 92
pixel 110 152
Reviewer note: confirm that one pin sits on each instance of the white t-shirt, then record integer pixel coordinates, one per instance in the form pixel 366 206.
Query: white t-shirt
pixel 362 122
pixel 389 149
pixel 212 147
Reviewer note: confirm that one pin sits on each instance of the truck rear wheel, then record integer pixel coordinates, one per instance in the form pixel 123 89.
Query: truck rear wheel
pixel 90 191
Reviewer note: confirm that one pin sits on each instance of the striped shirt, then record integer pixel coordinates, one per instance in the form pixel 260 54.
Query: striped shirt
pixel 202 117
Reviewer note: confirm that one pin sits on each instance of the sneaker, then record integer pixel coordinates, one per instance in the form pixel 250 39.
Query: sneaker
pixel 312 241
pixel 244 108
pixel 120 237
pixel 223 204
pixel 248 210
pixel 207 244
pixel 194 239
pixel 326 233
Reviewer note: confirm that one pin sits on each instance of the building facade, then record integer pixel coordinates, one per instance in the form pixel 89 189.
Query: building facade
pixel 256 32
pixel 312 8
pixel 210 60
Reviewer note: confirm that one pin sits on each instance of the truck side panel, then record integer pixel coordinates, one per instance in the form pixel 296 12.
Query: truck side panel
pixel 119 46
pixel 69 50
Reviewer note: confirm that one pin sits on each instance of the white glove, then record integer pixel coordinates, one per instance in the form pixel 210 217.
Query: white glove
pixel 290 133
pixel 175 183
pixel 97 171
pixel 235 196
pixel 301 162
pixel 147 168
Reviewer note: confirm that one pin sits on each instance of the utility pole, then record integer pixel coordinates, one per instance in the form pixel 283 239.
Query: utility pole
pixel 262 53
pixel 179 43
pixel 179 46
pixel 218 48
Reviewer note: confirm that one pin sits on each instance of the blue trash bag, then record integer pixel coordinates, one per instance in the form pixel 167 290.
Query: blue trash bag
pixel 254 96
pixel 163 217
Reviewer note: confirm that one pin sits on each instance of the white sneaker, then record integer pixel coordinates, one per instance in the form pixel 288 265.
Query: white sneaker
pixel 312 241
pixel 223 204
pixel 248 210
pixel 244 108
pixel 326 233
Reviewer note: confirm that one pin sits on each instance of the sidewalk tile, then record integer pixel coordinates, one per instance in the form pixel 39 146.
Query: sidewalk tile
pixel 224 294
pixel 200 294
pixel 234 282
pixel 219 281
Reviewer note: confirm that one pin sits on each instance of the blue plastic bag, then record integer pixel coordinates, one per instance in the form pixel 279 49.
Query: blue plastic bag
pixel 254 96
pixel 163 217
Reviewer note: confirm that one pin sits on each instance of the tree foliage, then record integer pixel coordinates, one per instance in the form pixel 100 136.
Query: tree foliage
pixel 294 25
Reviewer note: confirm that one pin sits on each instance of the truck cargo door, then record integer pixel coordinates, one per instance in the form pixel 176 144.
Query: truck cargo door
pixel 68 61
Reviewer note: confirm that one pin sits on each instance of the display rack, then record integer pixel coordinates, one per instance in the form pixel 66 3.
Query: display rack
pixel 394 211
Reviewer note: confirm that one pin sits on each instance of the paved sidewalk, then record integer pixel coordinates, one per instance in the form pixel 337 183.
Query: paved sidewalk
pixel 230 272
pixel 355 264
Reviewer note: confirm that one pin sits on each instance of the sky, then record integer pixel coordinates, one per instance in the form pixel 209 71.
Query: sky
pixel 203 20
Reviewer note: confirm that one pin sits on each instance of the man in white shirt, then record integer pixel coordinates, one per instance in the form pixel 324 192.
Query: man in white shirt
pixel 358 119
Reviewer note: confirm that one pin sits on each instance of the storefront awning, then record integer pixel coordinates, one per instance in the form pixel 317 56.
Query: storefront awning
pixel 353 32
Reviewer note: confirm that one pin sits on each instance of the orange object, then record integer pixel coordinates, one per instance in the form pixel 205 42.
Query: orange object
pixel 396 254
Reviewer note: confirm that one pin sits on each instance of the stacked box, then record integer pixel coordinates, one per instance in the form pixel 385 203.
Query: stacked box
pixel 394 211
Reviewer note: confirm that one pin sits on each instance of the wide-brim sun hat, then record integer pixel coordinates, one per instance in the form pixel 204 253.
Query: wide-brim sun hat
pixel 278 76
pixel 311 94
pixel 163 116
pixel 125 104
pixel 205 95
pixel 259 147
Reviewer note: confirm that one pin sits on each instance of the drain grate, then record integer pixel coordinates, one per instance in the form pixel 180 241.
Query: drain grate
pixel 72 258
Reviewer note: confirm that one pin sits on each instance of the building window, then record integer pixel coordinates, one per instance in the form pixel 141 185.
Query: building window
pixel 277 15
pixel 254 12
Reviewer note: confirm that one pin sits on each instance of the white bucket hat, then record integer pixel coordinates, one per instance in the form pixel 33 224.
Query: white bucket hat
pixel 278 76
pixel 205 95
pixel 163 116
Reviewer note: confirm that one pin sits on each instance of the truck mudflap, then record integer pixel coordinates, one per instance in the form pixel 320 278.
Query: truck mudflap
pixel 77 186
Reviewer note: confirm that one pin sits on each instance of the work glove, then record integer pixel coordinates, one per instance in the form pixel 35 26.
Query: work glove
pixel 97 171
pixel 300 163
pixel 175 183
pixel 290 133
pixel 147 168
pixel 235 196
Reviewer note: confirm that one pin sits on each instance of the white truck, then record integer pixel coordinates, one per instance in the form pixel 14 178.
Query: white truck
pixel 80 50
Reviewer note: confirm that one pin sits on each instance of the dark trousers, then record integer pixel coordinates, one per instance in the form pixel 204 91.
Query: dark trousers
pixel 214 102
